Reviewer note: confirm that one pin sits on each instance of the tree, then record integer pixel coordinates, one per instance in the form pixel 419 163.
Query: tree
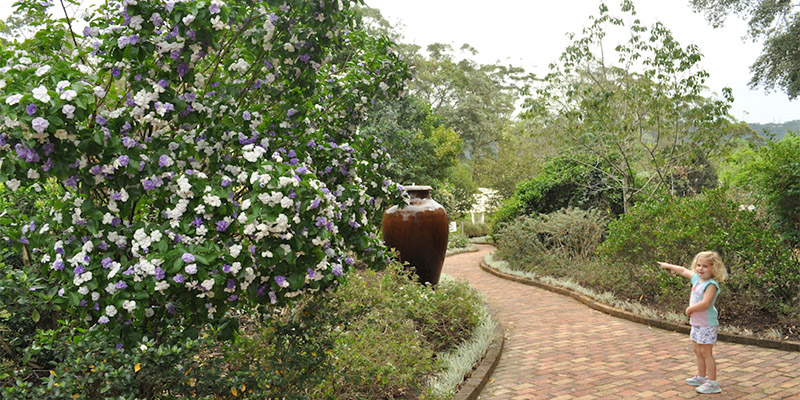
pixel 476 100
pixel 777 22
pixel 637 108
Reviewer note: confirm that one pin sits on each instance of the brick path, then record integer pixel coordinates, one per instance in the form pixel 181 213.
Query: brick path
pixel 557 348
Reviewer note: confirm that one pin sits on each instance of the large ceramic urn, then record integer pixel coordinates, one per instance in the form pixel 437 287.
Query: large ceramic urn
pixel 419 233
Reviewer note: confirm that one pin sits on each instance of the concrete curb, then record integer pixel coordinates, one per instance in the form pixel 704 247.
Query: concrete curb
pixel 657 323
pixel 480 376
pixel 461 250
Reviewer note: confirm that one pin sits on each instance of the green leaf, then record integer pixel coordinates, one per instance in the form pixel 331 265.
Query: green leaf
pixel 36 316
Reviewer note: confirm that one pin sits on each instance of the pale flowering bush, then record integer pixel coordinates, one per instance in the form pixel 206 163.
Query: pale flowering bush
pixel 203 154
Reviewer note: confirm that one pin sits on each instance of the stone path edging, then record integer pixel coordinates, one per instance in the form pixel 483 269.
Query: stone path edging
pixel 657 323
pixel 480 376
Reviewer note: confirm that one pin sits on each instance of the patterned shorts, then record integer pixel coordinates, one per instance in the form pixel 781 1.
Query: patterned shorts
pixel 704 334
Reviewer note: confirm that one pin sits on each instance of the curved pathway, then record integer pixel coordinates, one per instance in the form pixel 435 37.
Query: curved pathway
pixel 557 348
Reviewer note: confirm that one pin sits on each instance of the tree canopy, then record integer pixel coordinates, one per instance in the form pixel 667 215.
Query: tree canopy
pixel 777 22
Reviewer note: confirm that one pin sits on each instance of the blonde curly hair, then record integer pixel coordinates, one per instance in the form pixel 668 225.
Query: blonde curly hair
pixel 718 270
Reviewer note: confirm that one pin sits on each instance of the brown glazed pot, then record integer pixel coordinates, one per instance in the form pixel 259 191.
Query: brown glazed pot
pixel 419 233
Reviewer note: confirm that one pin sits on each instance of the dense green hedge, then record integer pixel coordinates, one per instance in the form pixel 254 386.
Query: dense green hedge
pixel 562 182
pixel 764 279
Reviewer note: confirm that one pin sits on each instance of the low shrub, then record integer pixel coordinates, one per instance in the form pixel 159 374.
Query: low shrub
pixel 570 232
pixel 374 338
pixel 457 240
pixel 475 229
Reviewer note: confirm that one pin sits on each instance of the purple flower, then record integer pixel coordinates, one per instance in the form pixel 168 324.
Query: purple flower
pixel 348 261
pixel 304 58
pixel 48 165
pixel 337 270
pixel 31 109
pixel 115 72
pixel 188 257
pixel 231 284
pixel 226 182
pixel 124 160
pixel 79 270
pixel 291 112
pixel 72 181
pixel 198 222
pixel 58 265
pixel 106 262
pixel 214 8
pixel 24 240
pixel 102 320
pixel 163 161
pixel 182 69
pixel 246 116
pixel 101 120
pixel 148 184
pixel 128 142
pixel 121 285
pixel 178 278
pixel 281 281
pixel 160 273
pixel 226 268
pixel 310 273
pixel 222 225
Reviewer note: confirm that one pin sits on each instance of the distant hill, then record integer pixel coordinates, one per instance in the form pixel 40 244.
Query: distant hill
pixel 777 129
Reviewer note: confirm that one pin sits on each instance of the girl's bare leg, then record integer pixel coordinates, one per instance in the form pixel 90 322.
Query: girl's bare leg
pixel 710 365
pixel 701 359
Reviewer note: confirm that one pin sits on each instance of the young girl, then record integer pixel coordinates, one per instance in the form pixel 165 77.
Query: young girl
pixel 706 274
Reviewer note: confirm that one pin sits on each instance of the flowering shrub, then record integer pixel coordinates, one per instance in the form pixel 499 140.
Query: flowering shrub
pixel 204 154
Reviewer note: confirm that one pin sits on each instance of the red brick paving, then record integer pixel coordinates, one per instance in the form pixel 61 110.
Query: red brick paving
pixel 557 348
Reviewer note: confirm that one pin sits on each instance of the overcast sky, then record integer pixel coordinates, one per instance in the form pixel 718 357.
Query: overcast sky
pixel 531 34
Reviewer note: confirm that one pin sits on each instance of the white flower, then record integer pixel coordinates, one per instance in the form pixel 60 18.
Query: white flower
pixel 111 310
pixel 68 110
pixel 235 250
pixel 288 47
pixel 155 236
pixel 39 124
pixel 217 23
pixel 2 83
pixel 212 200
pixel 33 174
pixel 383 86
pixel 241 66
pixel 162 285
pixel 191 269
pixel 68 95
pixel 207 284
pixel 13 99
pixel 188 19
pixel 95 296
pixel 148 312
pixel 129 305
pixel 123 41
pixel 40 93
pixel 61 85
pixel 235 267
pixel 99 92
pixel 42 70
pixel 136 22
